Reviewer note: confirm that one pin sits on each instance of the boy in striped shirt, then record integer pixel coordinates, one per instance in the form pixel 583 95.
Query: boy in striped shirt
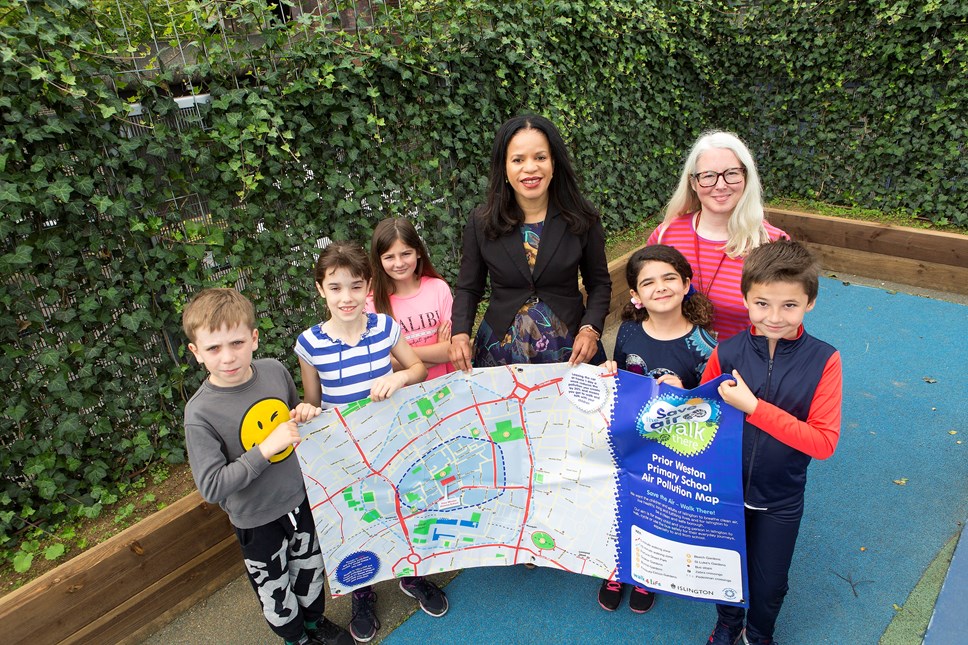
pixel 348 358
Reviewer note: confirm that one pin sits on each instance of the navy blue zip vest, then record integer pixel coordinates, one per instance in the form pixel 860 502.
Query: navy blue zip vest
pixel 775 474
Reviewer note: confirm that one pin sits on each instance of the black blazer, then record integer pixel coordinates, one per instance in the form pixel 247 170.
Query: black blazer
pixel 561 256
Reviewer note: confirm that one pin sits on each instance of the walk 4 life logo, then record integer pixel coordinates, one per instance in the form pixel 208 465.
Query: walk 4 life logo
pixel 683 423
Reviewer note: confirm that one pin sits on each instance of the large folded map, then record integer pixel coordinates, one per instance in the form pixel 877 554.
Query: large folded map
pixel 598 474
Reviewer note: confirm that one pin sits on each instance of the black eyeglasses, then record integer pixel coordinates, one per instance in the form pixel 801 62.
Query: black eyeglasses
pixel 710 178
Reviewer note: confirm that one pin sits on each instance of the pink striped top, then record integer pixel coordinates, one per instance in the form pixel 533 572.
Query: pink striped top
pixel 713 273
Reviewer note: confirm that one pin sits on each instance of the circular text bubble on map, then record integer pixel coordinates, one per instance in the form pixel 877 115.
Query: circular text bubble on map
pixel 585 388
pixel 358 568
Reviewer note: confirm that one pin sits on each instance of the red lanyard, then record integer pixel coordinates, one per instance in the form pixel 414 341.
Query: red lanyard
pixel 695 243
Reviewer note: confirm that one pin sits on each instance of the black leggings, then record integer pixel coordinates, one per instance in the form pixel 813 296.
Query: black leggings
pixel 771 536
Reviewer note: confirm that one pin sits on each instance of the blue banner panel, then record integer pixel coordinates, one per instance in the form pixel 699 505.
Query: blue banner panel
pixel 679 488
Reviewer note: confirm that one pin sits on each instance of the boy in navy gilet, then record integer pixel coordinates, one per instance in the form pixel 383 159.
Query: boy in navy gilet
pixel 788 384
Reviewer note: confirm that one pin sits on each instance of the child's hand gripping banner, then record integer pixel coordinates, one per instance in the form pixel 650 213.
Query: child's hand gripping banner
pixel 523 464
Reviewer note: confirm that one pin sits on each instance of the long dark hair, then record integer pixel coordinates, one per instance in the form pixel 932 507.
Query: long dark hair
pixel 501 213
pixel 386 233
pixel 697 308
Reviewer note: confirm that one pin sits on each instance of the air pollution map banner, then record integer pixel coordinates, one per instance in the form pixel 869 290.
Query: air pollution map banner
pixel 678 457
pixel 598 474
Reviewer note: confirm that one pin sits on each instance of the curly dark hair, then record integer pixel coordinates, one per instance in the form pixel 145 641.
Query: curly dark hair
pixel 696 307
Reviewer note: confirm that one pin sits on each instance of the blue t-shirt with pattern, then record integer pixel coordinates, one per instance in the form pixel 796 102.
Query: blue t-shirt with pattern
pixel 636 351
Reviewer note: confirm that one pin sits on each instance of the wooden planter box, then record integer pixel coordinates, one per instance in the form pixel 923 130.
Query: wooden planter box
pixel 122 590
pixel 915 257
pixel 909 256
pixel 128 587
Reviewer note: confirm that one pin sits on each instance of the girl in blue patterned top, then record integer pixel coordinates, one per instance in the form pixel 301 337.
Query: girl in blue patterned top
pixel 663 335
pixel 346 359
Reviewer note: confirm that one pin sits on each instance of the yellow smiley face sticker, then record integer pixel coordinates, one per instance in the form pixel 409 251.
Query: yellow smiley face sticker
pixel 261 419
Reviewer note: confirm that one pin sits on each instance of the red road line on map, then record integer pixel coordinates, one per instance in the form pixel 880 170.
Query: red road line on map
pixel 530 488
pixel 320 484
pixel 480 417
pixel 476 405
pixel 462 488
pixel 399 511
pixel 353 439
pixel 328 500
pixel 533 388
pixel 474 547
pixel 330 497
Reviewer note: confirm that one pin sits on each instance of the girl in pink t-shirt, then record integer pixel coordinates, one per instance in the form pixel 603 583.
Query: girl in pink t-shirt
pixel 408 288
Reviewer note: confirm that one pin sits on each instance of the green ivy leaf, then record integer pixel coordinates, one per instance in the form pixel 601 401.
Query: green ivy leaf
pixel 51 357
pixel 9 193
pixel 60 189
pixel 73 399
pixel 132 321
pixel 22 561
pixel 16 413
pixel 21 256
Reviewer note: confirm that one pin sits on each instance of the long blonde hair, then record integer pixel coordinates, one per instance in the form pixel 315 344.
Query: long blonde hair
pixel 745 227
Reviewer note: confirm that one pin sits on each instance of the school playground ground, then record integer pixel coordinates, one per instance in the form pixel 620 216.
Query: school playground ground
pixel 882 514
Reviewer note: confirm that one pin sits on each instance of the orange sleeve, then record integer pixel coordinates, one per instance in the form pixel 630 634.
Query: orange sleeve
pixel 818 435
pixel 713 369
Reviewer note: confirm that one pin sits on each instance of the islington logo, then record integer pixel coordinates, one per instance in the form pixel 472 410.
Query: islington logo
pixel 685 425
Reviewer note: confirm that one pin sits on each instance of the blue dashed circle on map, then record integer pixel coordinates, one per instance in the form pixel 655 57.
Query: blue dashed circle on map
pixel 358 568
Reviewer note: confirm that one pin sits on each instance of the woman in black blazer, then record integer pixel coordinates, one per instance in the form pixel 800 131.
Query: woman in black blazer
pixel 532 238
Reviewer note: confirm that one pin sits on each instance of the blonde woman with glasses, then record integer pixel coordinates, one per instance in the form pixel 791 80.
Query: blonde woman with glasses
pixel 715 218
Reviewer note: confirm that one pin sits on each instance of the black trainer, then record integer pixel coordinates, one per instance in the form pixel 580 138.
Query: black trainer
pixel 724 634
pixel 432 600
pixel 641 600
pixel 744 639
pixel 364 624
pixel 329 633
pixel 610 594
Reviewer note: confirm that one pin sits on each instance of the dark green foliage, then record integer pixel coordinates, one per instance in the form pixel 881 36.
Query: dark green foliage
pixel 111 218
pixel 855 103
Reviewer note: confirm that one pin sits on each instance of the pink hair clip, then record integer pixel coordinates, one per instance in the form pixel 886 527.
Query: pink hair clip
pixel 636 302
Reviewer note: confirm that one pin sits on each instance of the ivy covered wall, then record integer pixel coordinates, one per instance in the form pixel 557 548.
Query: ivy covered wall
pixel 118 202
pixel 856 103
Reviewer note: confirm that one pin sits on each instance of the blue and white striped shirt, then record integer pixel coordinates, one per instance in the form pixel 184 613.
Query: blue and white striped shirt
pixel 346 372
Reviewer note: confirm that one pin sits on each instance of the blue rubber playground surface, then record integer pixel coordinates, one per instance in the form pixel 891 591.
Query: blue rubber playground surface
pixel 878 511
